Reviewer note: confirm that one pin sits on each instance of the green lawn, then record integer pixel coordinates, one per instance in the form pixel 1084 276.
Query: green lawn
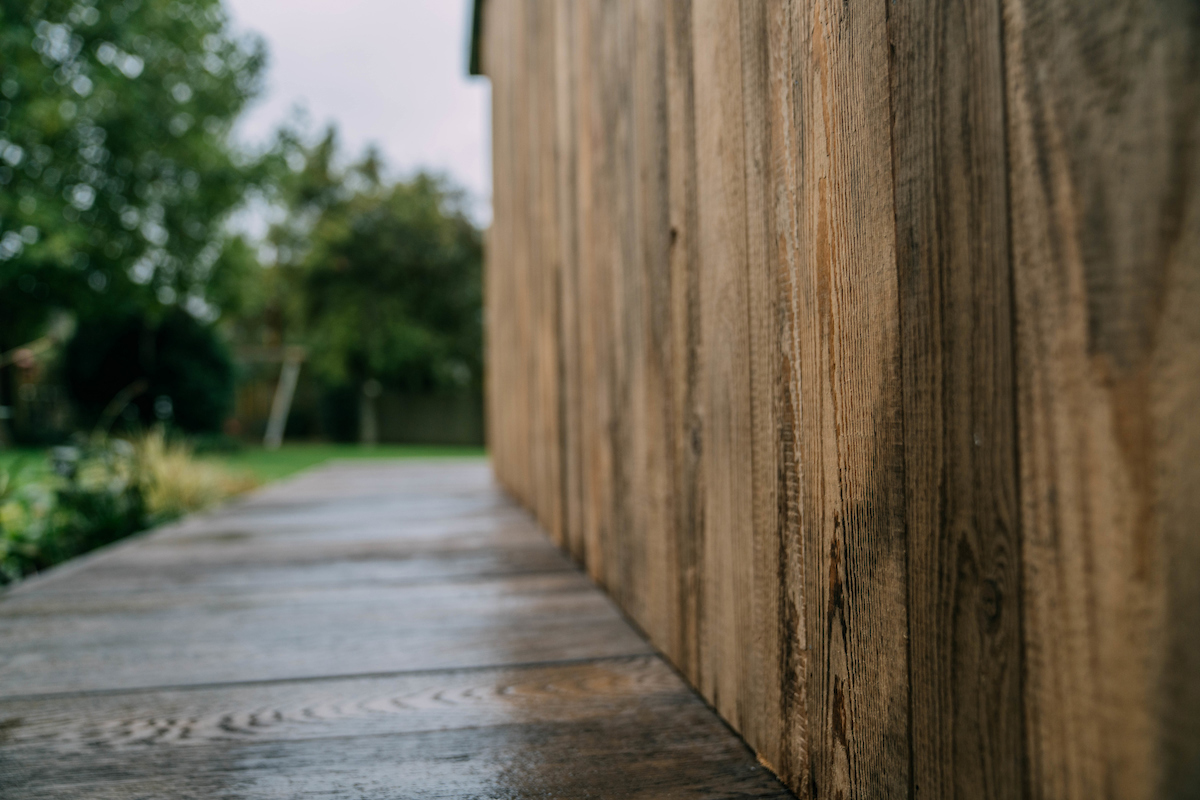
pixel 269 465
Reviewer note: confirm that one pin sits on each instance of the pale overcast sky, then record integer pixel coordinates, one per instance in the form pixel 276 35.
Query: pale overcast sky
pixel 389 72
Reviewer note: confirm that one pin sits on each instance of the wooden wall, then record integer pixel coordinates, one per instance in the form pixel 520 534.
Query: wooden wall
pixel 854 347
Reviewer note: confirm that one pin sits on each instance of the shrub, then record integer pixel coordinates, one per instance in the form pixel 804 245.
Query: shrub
pixel 25 508
pixel 176 371
pixel 98 493
pixel 91 499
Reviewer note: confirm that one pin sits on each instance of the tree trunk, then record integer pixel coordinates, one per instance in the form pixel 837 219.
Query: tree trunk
pixel 368 413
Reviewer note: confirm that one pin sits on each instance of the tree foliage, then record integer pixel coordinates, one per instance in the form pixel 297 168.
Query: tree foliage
pixel 389 274
pixel 116 173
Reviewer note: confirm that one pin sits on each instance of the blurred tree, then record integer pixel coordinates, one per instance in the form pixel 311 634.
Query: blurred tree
pixel 116 173
pixel 389 276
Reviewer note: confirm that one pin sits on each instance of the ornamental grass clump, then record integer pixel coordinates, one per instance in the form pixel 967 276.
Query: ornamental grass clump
pixel 174 482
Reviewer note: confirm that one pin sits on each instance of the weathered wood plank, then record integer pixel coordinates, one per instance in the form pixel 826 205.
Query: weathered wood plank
pixel 727 580
pixel 760 606
pixel 640 565
pixel 623 728
pixel 503 425
pixel 524 300
pixel 686 426
pixel 596 164
pixel 1104 130
pixel 492 762
pixel 570 349
pixel 541 26
pixel 921 361
pixel 281 568
pixel 783 188
pixel 325 708
pixel 158 639
pixel 959 416
pixel 625 548
pixel 851 505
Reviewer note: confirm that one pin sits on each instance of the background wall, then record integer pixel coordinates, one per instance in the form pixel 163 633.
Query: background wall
pixel 322 413
pixel 854 348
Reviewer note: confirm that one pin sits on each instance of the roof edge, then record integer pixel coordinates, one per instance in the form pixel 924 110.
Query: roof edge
pixel 473 65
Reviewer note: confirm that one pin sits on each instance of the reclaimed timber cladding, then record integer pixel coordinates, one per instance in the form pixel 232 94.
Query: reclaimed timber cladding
pixel 855 349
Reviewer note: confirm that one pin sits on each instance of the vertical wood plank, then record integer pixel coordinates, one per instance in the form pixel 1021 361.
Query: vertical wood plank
pixel 626 543
pixel 850 407
pixel 545 265
pixel 566 83
pixel 525 351
pixel 499 280
pixel 725 369
pixel 760 607
pixel 959 438
pixel 783 188
pixel 748 300
pixel 654 437
pixel 1103 144
pixel 595 165
pixel 686 336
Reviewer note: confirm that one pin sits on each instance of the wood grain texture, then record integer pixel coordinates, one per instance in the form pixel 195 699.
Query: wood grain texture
pixel 1103 137
pixel 567 135
pixel 327 708
pixel 574 760
pixel 785 231
pixel 654 524
pixel 247 687
pixel 152 639
pixel 954 272
pixel 500 346
pixel 851 504
pixel 759 609
pixel 596 220
pixel 546 264
pixel 885 353
pixel 685 432
pixel 492 733
pixel 726 584
pixel 625 547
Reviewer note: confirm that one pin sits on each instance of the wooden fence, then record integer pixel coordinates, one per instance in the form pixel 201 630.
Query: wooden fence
pixel 854 347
